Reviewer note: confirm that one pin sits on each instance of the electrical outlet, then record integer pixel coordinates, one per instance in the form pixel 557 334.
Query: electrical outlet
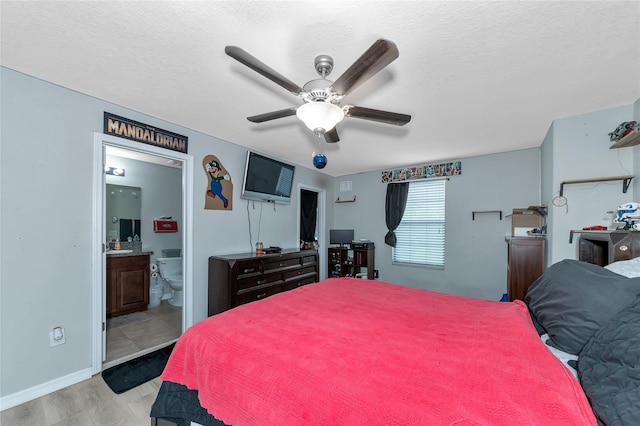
pixel 57 336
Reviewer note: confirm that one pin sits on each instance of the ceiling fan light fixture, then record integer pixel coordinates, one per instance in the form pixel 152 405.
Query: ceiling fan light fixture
pixel 320 117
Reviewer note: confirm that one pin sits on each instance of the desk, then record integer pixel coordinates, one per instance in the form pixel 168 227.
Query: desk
pixel 605 247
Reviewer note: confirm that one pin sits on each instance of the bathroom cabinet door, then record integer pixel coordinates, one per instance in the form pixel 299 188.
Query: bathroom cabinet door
pixel 127 284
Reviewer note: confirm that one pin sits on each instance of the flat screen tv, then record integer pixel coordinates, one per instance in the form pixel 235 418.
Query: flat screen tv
pixel 267 179
pixel 341 236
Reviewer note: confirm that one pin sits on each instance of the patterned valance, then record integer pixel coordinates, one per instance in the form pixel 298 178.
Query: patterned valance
pixel 422 172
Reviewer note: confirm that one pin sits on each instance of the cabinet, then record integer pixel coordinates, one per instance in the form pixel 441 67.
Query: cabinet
pixel 237 279
pixel 605 247
pixel 349 262
pixel 127 284
pixel 525 264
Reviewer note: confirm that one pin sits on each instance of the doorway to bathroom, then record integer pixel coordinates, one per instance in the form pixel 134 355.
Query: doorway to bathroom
pixel 160 178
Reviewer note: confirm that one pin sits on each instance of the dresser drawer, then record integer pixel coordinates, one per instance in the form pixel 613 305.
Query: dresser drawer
pixel 298 282
pixel 306 260
pixel 247 268
pixel 251 281
pixel 257 294
pixel 299 271
pixel 281 263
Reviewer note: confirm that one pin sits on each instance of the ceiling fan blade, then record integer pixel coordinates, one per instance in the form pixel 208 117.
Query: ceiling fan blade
pixel 261 118
pixel 255 64
pixel 376 115
pixel 331 136
pixel 379 55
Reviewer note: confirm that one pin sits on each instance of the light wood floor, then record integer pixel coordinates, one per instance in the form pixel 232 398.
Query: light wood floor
pixel 89 403
pixel 92 402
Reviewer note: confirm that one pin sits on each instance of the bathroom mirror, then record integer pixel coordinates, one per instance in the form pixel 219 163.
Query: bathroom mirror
pixel 122 211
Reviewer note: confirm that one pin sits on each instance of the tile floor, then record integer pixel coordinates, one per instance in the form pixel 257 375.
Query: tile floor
pixel 129 335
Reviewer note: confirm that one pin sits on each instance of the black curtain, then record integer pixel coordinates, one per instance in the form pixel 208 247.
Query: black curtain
pixel 308 215
pixel 129 228
pixel 394 209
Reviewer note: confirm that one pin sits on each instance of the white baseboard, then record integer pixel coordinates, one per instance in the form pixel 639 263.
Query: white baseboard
pixel 30 394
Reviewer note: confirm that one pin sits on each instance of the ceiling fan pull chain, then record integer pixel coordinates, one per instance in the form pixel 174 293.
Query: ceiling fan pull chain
pixel 319 159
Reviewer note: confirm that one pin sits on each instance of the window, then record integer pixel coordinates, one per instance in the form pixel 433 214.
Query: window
pixel 420 235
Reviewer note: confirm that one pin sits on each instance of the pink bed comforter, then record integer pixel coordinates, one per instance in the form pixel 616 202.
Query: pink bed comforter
pixel 358 352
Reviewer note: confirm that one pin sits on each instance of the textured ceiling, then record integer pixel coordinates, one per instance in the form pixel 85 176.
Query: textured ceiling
pixel 477 77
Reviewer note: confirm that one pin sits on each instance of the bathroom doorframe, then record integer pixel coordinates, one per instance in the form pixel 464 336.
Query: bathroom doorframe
pixel 321 221
pixel 100 141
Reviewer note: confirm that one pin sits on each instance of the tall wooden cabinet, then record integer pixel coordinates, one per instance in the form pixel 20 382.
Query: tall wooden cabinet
pixel 351 262
pixel 525 264
pixel 237 279
pixel 127 284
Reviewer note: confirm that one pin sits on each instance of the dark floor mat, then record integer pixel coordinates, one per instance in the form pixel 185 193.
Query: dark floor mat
pixel 130 374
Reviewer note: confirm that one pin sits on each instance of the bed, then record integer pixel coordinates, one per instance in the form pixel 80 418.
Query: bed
pixel 351 351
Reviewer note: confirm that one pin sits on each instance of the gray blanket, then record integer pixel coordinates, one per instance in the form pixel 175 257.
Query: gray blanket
pixel 609 369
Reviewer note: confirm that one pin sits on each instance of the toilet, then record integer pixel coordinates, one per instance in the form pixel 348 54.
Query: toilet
pixel 170 269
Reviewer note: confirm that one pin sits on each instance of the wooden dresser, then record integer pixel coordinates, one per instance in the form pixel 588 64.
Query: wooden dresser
pixel 525 264
pixel 236 279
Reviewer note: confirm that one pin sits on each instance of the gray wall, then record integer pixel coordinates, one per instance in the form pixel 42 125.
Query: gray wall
pixel 546 184
pixel 578 148
pixel 476 251
pixel 46 229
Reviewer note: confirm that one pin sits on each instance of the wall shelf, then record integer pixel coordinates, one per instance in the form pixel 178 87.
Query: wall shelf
pixel 633 138
pixel 626 181
pixel 346 201
pixel 473 214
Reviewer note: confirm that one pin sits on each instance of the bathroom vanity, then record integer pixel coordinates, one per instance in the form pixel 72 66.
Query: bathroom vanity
pixel 127 283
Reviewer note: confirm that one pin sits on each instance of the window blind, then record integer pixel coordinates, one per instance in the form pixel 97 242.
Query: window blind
pixel 421 233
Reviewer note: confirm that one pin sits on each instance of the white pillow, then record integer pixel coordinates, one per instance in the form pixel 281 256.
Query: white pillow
pixel 628 268
pixel 563 356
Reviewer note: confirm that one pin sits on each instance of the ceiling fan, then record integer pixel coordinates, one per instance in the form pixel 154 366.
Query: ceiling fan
pixel 321 110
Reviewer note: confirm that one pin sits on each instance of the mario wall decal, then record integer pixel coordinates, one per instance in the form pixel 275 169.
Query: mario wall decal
pixel 219 193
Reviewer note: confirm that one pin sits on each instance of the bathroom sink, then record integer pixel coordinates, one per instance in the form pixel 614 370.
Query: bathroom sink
pixel 119 251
